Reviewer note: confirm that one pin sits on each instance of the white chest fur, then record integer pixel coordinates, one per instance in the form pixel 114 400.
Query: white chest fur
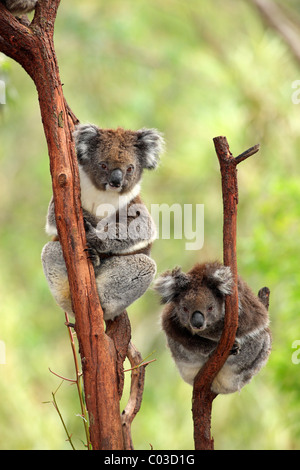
pixel 92 198
pixel 96 202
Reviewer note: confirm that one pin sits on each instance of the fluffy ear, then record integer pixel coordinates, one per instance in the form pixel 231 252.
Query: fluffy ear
pixel 150 144
pixel 220 278
pixel 85 137
pixel 170 284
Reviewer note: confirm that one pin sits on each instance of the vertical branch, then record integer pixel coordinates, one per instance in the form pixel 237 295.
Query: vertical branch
pixel 136 394
pixel 202 394
pixel 230 201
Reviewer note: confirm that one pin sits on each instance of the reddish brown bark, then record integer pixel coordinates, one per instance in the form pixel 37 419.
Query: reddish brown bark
pixel 202 394
pixel 32 46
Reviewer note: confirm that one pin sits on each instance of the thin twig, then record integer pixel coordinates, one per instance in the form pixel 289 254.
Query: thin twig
pixel 140 365
pixel 62 377
pixel 78 384
pixel 63 423
pixel 54 403
pixel 246 154
pixel 76 381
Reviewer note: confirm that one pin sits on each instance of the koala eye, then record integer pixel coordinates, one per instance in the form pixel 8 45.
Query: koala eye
pixel 210 308
pixel 103 165
pixel 130 169
pixel 185 309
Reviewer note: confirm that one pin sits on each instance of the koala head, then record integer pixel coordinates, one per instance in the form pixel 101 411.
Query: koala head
pixel 115 159
pixel 197 297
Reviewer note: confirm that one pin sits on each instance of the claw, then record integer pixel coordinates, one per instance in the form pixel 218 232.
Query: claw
pixel 93 256
pixel 235 349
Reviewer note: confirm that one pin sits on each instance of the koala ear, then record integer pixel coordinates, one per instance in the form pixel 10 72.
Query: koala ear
pixel 220 278
pixel 150 143
pixel 84 136
pixel 170 284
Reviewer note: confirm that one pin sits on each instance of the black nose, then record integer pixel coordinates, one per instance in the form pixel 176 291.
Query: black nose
pixel 116 177
pixel 197 320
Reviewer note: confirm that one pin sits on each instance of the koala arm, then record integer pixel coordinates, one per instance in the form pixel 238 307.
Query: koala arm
pixel 195 344
pixel 136 232
pixel 51 228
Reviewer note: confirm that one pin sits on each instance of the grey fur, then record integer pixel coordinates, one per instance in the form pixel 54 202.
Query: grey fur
pixel 150 145
pixel 120 280
pixel 19 7
pixel 203 290
pixel 119 241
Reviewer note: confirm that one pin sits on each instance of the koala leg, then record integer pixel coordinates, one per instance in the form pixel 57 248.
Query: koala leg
pixel 56 274
pixel 238 370
pixel 227 381
pixel 121 280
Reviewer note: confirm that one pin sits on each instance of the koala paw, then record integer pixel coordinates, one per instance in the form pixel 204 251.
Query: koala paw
pixel 93 256
pixel 235 349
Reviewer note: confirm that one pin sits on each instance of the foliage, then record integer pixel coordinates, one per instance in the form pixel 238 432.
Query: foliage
pixel 194 70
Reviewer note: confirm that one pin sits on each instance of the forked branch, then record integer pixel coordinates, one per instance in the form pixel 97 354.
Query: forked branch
pixel 202 394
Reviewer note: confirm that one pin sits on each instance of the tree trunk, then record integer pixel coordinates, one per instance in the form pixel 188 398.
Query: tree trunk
pixel 32 46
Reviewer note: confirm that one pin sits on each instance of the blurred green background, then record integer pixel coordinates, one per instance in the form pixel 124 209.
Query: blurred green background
pixel 194 70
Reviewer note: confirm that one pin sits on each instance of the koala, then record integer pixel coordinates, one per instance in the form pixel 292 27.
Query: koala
pixel 193 320
pixel 119 228
pixel 19 7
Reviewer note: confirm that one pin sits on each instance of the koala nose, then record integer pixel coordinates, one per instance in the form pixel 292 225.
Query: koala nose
pixel 197 320
pixel 116 177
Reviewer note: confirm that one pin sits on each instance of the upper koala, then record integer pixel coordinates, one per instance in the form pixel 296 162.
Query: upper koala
pixel 119 228
pixel 193 322
pixel 19 7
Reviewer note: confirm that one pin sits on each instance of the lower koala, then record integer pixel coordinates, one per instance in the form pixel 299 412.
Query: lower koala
pixel 20 7
pixel 119 228
pixel 193 321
